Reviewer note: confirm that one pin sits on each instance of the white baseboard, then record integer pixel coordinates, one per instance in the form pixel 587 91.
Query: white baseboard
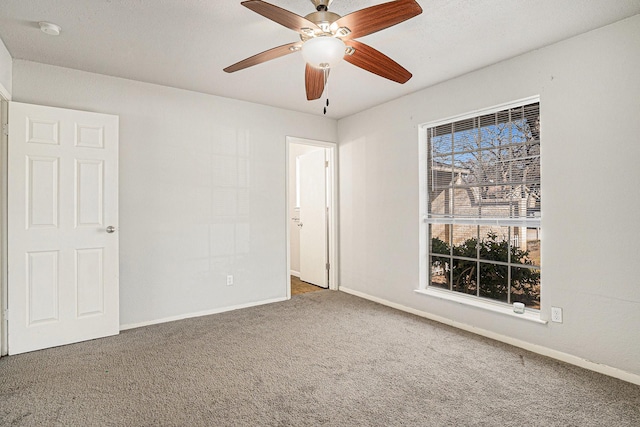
pixel 198 314
pixel 295 273
pixel 535 348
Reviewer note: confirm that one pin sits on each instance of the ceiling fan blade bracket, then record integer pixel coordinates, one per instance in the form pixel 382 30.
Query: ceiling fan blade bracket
pixel 307 32
pixel 339 31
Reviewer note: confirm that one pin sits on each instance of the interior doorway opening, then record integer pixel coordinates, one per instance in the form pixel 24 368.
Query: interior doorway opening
pixel 311 214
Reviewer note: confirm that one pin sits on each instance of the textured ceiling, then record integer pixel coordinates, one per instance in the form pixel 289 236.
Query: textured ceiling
pixel 187 43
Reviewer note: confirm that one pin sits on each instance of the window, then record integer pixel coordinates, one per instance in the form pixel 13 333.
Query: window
pixel 483 204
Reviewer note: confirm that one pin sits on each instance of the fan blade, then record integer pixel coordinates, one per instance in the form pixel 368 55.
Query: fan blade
pixel 265 56
pixel 314 82
pixel 281 16
pixel 376 62
pixel 376 18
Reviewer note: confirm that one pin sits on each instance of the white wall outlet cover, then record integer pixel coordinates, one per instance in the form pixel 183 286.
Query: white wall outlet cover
pixel 556 314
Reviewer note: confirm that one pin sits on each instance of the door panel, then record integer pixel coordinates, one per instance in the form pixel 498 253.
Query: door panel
pixel 90 281
pixel 313 218
pixel 89 196
pixel 42 291
pixel 42 192
pixel 62 195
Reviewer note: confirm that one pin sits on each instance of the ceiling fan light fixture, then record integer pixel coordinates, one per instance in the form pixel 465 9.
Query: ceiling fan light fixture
pixel 323 52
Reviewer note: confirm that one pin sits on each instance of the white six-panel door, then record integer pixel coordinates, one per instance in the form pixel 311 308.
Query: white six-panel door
pixel 62 197
pixel 313 218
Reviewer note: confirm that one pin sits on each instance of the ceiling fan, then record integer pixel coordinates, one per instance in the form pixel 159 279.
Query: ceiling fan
pixel 326 38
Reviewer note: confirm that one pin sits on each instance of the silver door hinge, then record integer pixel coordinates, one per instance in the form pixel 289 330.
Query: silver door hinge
pixel 5 129
pixel 328 266
pixel 326 163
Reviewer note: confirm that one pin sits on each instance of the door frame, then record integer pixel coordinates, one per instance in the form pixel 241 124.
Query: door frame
pixel 332 152
pixel 5 97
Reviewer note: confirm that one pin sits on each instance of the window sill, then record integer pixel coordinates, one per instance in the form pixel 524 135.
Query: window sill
pixel 529 315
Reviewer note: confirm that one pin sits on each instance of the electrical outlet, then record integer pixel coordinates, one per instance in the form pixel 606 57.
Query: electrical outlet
pixel 556 314
pixel 229 280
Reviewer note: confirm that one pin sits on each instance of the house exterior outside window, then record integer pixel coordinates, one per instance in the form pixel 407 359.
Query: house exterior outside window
pixel 484 201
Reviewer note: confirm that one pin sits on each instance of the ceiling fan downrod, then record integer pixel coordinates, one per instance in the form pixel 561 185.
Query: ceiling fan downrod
pixel 321 5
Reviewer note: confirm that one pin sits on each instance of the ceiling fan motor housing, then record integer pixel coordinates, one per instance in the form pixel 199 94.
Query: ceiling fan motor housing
pixel 323 19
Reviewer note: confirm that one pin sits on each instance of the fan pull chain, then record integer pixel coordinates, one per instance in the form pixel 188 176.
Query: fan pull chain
pixel 326 88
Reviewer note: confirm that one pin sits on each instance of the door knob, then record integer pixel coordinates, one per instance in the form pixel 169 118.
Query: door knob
pixel 111 229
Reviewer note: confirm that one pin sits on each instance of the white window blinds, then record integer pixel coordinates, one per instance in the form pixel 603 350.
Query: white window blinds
pixel 486 169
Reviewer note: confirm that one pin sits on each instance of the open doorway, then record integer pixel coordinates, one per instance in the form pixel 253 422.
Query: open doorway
pixel 311 215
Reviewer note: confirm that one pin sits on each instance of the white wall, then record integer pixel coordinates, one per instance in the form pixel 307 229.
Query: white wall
pixel 202 189
pixel 295 150
pixel 590 107
pixel 5 71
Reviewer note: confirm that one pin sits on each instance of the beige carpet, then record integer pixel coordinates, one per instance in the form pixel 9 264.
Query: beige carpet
pixel 321 359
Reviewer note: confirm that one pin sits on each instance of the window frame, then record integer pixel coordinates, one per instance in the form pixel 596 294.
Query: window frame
pixel 426 220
